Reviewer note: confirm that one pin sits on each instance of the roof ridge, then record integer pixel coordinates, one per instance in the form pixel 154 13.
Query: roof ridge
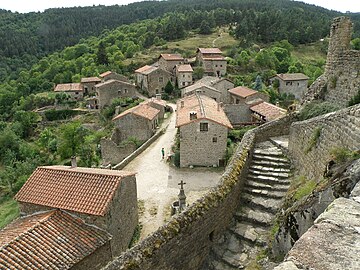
pixel 68 169
pixel 201 105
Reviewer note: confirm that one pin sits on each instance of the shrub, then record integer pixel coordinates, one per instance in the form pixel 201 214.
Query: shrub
pixel 355 99
pixel 53 115
pixel 315 108
pixel 344 154
pixel 177 159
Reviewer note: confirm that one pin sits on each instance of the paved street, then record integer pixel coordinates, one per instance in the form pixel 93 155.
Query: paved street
pixel 157 181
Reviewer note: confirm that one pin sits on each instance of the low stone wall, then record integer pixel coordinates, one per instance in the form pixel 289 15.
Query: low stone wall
pixel 112 153
pixel 311 141
pixel 238 113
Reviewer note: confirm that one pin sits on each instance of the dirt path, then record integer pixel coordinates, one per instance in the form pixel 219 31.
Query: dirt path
pixel 157 181
pixel 216 39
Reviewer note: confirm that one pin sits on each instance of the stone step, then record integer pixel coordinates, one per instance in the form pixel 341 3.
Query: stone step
pixel 270 164
pixel 268 180
pixel 270 158
pixel 269 169
pixel 265 193
pixel 270 205
pixel 274 152
pixel 269 173
pixel 250 233
pixel 254 216
pixel 265 186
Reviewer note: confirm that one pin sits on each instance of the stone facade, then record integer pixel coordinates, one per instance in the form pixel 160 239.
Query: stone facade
pixel 202 148
pixel 168 62
pixel 341 80
pixel 88 85
pixel 73 90
pixel 154 81
pixel 96 260
pixel 238 114
pixel 311 141
pixel 184 75
pixel 293 84
pixel 223 85
pixel 109 75
pixel 212 61
pixel 202 89
pixel 131 125
pixel 112 153
pixel 107 91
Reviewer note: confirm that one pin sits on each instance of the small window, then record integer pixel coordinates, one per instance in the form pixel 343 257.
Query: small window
pixel 76 93
pixel 161 79
pixel 214 139
pixel 237 101
pixel 215 65
pixel 125 91
pixel 204 127
pixel 220 65
pixel 183 83
pixel 119 92
pixel 183 75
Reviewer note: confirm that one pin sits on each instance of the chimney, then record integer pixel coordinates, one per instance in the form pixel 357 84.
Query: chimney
pixel 73 162
pixel 219 105
pixel 193 115
pixel 158 96
pixel 182 104
pixel 117 110
pixel 277 104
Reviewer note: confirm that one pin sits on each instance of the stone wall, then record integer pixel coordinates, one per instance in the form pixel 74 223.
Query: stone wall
pixel 96 260
pixel 296 88
pixel 237 113
pixel 205 90
pixel 112 153
pixel 156 81
pixel 202 148
pixel 312 141
pixel 109 90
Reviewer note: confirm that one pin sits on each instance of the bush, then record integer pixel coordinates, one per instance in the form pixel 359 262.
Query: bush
pixel 355 99
pixel 314 109
pixel 236 135
pixel 53 115
pixel 177 158
pixel 343 154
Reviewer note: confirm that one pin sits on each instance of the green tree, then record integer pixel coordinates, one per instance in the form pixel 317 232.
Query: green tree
pixel 169 88
pixel 205 28
pixel 258 83
pixel 71 139
pixel 198 73
pixel 101 55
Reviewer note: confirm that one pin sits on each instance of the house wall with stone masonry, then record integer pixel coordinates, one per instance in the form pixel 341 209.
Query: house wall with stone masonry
pixel 168 65
pixel 198 148
pixel 184 79
pixel 159 107
pixel 215 67
pixel 131 125
pixel 96 260
pixel 117 89
pixel 339 129
pixel 89 87
pixel 155 82
pixel 237 113
pixel 115 76
pixel 224 86
pixel 296 88
pixel 185 241
pixel 234 99
pixel 205 91
pixel 341 79
pixel 112 153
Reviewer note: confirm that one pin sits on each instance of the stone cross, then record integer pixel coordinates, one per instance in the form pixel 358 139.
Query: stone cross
pixel 181 184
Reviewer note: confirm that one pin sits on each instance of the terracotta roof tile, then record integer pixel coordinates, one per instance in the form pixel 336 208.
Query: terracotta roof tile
pixel 171 57
pixel 99 85
pixel 90 79
pixel 184 68
pixel 292 77
pixel 155 100
pixel 49 240
pixel 106 73
pixel 142 110
pixel 146 69
pixel 68 87
pixel 204 107
pixel 83 190
pixel 269 111
pixel 210 50
pixel 198 85
pixel 242 91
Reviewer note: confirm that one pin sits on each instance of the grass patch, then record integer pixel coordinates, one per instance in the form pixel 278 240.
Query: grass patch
pixel 136 236
pixel 153 211
pixel 314 139
pixel 341 155
pixel 301 187
pixel 9 210
pixel 141 207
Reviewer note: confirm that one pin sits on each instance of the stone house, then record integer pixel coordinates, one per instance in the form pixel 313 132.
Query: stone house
pixel 262 111
pixel 74 90
pixel 292 83
pixel 203 89
pixel 158 104
pixel 212 61
pixel 152 80
pixel 104 199
pixel 203 128
pixel 108 90
pixel 139 122
pixel 109 75
pixel 242 95
pixel 184 75
pixel 168 61
pixel 88 85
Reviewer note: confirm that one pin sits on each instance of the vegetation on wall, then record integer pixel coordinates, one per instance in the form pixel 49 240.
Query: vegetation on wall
pixel 316 108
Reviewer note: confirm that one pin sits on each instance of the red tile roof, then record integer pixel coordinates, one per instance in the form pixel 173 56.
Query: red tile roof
pixel 204 107
pixel 112 81
pixel 69 87
pixel 146 69
pixel 83 190
pixel 49 240
pixel 292 77
pixel 184 68
pixel 142 110
pixel 156 101
pixel 210 50
pixel 242 91
pixel 171 57
pixel 106 73
pixel 90 79
pixel 269 111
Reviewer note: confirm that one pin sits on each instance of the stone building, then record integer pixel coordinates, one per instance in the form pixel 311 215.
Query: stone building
pixel 152 80
pixel 203 89
pixel 184 75
pixel 104 199
pixel 88 85
pixel 110 75
pixel 242 95
pixel 73 90
pixel 203 128
pixel 212 61
pixel 168 61
pixel 108 90
pixel 264 112
pixel 139 122
pixel 292 83
pixel 340 81
pixel 53 239
pixel 158 104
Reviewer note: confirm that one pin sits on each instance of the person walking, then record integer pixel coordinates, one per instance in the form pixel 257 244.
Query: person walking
pixel 163 152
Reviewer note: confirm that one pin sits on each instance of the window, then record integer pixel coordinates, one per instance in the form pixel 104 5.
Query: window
pixel 237 101
pixel 214 139
pixel 183 83
pixel 161 79
pixel 76 93
pixel 119 92
pixel 204 127
pixel 125 91
pixel 220 65
pixel 183 75
pixel 215 65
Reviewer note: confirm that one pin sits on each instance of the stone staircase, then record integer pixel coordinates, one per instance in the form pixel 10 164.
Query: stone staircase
pixel 266 185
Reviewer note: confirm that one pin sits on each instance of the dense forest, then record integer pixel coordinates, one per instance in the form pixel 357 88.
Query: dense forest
pixel 39 50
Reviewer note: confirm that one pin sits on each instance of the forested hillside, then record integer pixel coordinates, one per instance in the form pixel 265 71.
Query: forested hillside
pixel 27 37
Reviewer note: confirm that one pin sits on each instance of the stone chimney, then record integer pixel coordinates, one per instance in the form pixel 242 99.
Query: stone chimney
pixel 158 96
pixel 73 162
pixel 182 104
pixel 193 115
pixel 219 106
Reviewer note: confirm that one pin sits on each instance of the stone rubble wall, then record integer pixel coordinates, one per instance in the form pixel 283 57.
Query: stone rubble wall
pixel 339 129
pixel 111 153
pixel 185 241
